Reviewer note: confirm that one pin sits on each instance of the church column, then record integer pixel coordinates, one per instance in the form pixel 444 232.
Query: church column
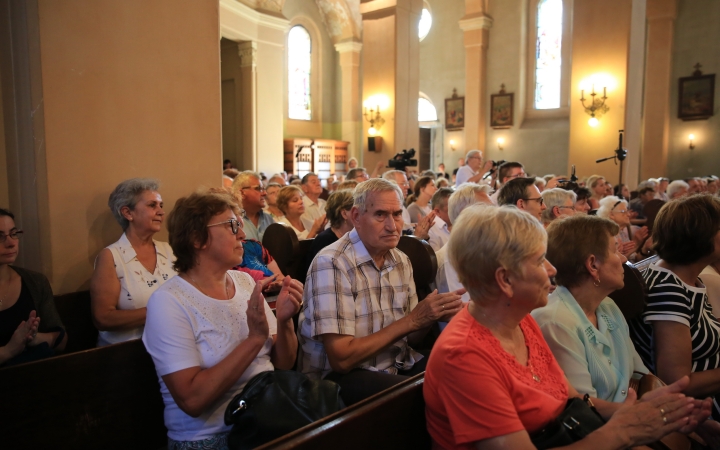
pixel 350 98
pixel 658 76
pixel 476 27
pixel 634 97
pixel 248 69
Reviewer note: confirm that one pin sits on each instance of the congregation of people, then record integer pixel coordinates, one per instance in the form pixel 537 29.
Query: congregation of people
pixel 519 322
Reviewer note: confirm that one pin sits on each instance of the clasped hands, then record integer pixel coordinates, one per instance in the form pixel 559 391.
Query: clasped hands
pixel 288 303
pixel 25 334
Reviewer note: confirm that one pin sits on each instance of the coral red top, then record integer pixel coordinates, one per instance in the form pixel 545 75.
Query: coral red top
pixel 475 390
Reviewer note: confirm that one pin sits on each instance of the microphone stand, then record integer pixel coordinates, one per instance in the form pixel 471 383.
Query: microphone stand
pixel 620 154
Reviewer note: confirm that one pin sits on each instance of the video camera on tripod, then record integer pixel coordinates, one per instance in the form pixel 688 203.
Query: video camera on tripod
pixel 403 159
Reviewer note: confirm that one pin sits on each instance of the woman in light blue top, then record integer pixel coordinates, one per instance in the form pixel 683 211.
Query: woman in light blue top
pixel 585 329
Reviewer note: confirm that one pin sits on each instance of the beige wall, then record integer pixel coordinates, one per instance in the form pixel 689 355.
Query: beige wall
pixel 589 57
pixel 442 69
pixel 697 39
pixel 131 89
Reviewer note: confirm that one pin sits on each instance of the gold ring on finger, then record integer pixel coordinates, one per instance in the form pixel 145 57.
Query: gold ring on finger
pixel 664 419
pixel 662 411
pixel 443 307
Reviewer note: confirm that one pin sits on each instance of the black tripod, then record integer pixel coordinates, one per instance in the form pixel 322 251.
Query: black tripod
pixel 620 154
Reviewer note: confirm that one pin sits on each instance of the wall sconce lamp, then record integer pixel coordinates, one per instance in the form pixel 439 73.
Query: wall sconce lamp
pixel 376 122
pixel 500 143
pixel 692 141
pixel 453 144
pixel 597 106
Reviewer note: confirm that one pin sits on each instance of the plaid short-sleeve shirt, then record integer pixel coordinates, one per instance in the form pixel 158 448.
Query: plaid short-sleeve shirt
pixel 346 293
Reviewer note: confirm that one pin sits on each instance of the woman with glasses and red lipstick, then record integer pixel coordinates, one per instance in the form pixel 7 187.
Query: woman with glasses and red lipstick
pixel 209 330
pixel 25 298
pixel 130 270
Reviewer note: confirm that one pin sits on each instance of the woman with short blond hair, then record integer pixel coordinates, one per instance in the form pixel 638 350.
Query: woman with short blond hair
pixel 289 201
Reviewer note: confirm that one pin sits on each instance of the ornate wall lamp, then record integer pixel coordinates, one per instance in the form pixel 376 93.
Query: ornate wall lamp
pixel 453 145
pixel 692 141
pixel 500 143
pixel 376 121
pixel 597 107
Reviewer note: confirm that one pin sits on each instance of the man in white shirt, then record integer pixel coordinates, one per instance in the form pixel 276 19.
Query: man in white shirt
pixel 440 232
pixel 471 172
pixel 314 205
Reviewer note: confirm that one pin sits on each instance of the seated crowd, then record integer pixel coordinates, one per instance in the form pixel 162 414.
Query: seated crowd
pixel 520 320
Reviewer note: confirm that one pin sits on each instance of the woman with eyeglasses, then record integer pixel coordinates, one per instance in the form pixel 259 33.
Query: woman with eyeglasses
pixel 209 330
pixel 130 270
pixel 634 241
pixel 25 298
pixel 290 202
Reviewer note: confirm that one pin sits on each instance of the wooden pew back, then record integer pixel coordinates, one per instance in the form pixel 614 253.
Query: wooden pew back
pixel 632 298
pixel 392 419
pixel 289 252
pixel 424 263
pixel 74 310
pixel 105 398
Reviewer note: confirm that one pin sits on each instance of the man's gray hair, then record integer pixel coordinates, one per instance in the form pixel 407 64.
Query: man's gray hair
pixel 472 153
pixel 242 179
pixel 674 187
pixel 647 183
pixel 390 175
pixel 464 196
pixel 371 186
pixel 440 198
pixel 354 173
pixel 127 194
pixel 552 198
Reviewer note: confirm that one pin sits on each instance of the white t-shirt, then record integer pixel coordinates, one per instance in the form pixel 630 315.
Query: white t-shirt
pixel 464 173
pixel 439 234
pixel 185 328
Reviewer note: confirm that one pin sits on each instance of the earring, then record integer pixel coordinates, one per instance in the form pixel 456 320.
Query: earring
pixel 596 281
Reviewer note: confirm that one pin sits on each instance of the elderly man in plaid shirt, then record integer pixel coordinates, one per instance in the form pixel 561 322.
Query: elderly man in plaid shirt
pixel 361 312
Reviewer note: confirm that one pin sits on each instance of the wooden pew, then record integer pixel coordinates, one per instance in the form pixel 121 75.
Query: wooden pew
pixel 632 298
pixel 289 252
pixel 105 398
pixel 424 263
pixel 393 419
pixel 74 310
pixel 651 210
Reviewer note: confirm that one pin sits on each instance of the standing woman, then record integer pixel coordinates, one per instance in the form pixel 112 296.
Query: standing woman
pixel 130 270
pixel 423 192
pixel 596 184
pixel 210 330
pixel 25 298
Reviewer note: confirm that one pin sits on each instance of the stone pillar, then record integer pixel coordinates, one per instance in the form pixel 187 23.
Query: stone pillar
pixel 248 69
pixel 350 97
pixel 476 28
pixel 658 78
pixel 633 113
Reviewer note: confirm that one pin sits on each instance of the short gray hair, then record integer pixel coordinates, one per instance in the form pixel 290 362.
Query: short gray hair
pixel 485 238
pixel 647 183
pixel 472 153
pixel 676 186
pixel 464 196
pixel 127 194
pixel 440 198
pixel 354 173
pixel 552 198
pixel 374 185
pixel 390 175
pixel 241 180
pixel 607 204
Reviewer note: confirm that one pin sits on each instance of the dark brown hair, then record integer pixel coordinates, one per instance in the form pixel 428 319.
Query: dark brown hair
pixel 684 230
pixel 187 224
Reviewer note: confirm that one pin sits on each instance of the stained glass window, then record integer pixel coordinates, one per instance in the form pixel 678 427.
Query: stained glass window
pixel 299 68
pixel 426 110
pixel 548 56
pixel 425 23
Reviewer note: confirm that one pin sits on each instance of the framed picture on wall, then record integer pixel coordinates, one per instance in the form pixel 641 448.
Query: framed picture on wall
pixel 696 95
pixel 501 109
pixel 454 112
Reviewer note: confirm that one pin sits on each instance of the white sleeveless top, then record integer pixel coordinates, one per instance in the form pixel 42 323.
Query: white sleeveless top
pixel 136 283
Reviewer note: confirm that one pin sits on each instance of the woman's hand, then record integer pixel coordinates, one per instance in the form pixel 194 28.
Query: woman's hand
pixel 289 299
pixel 422 229
pixel 628 248
pixel 318 226
pixel 257 322
pixel 710 432
pixel 640 235
pixel 23 335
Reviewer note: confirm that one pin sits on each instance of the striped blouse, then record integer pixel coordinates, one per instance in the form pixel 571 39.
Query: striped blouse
pixel 671 299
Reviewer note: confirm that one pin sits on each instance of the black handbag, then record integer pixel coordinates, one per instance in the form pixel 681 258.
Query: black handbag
pixel 578 419
pixel 276 403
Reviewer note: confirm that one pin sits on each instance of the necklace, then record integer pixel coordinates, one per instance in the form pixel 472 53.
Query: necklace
pixel 535 376
pixel 227 293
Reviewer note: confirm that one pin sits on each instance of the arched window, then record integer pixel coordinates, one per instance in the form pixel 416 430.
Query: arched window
pixel 426 109
pixel 425 22
pixel 299 70
pixel 548 54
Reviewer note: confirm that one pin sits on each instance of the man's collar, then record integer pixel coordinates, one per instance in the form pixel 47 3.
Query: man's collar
pixel 362 256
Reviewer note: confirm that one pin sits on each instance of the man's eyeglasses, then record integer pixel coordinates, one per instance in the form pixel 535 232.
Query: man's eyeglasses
pixel 15 234
pixel 255 188
pixel 518 175
pixel 571 207
pixel 235 225
pixel 540 200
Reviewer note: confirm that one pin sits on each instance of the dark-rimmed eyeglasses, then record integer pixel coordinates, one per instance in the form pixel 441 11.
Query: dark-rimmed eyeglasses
pixel 540 200
pixel 255 188
pixel 571 207
pixel 235 225
pixel 15 234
